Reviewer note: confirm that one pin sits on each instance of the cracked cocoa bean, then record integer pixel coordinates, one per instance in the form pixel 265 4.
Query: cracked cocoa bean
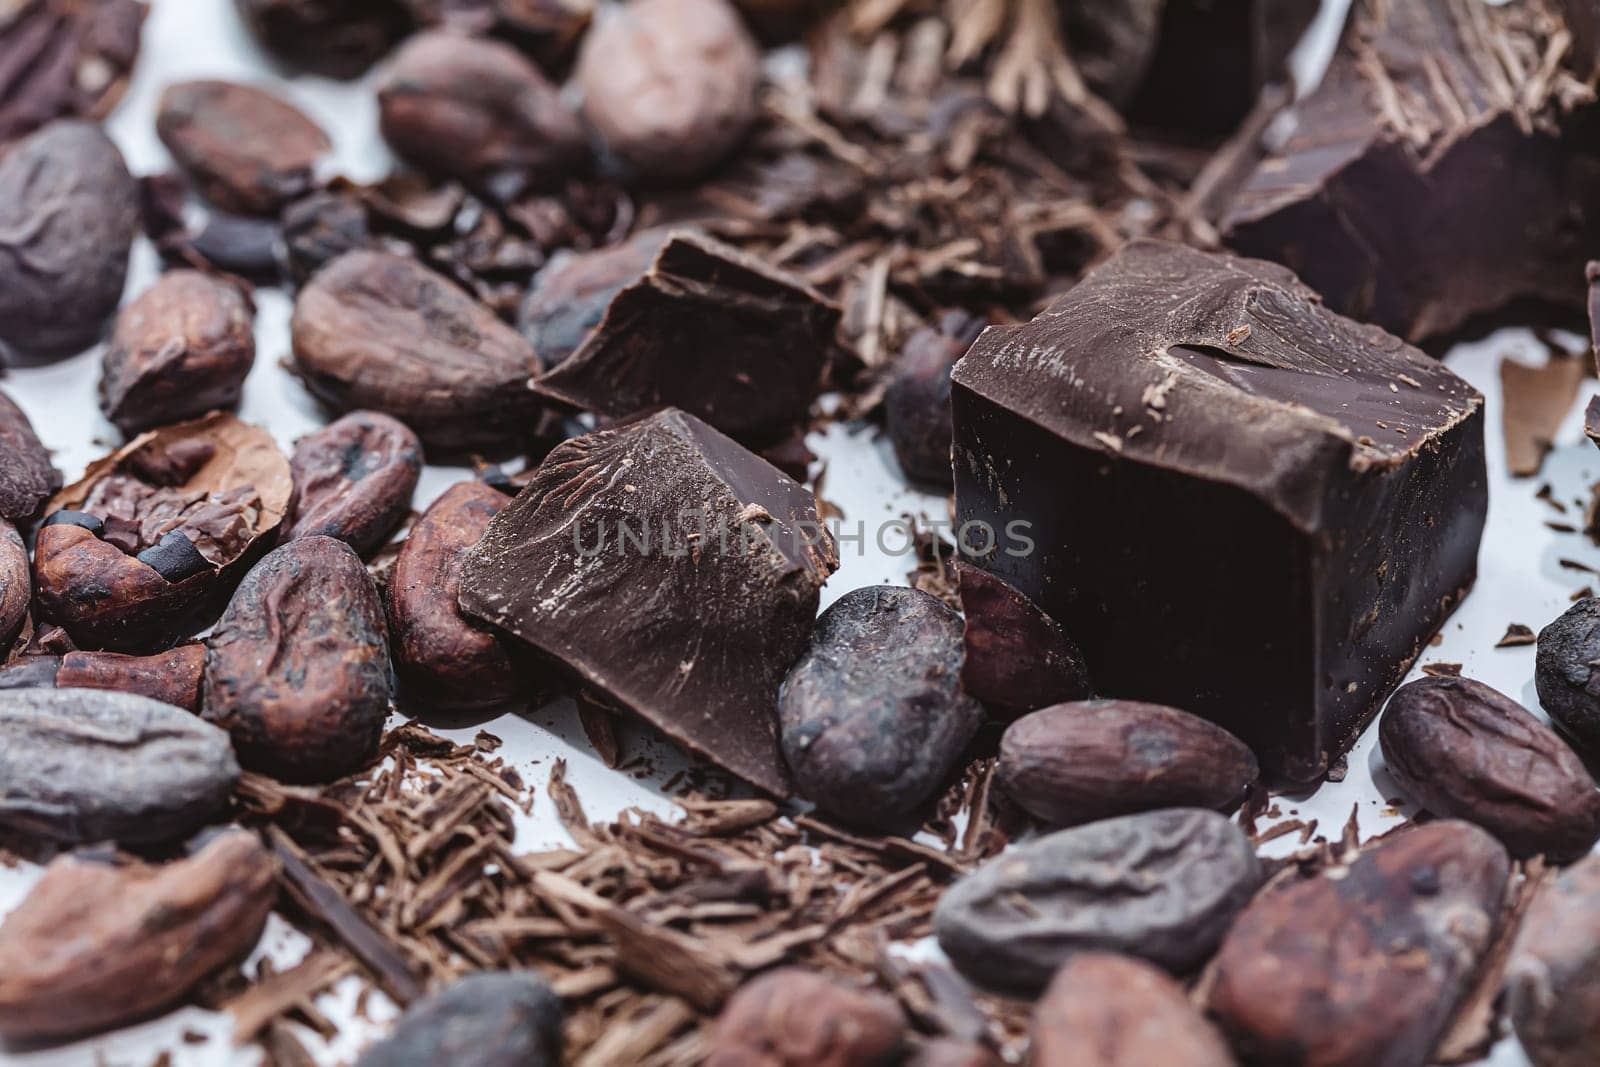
pixel 353 480
pixel 1363 965
pixel 495 1019
pixel 27 477
pixel 103 940
pixel 1074 763
pixel 80 765
pixel 872 717
pixel 1565 675
pixel 793 1017
pixel 181 349
pixel 1017 657
pixel 1102 1010
pixel 1553 980
pixel 297 669
pixel 16 587
pixel 1463 750
pixel 172 677
pixel 1163 886
pixel 69 211
pixel 334 38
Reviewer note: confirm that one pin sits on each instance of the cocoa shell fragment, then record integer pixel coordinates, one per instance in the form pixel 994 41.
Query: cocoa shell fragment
pixel 1103 1010
pixel 493 1019
pixel 27 477
pixel 171 677
pixel 1553 980
pixel 353 480
pixel 1017 657
pixel 793 1017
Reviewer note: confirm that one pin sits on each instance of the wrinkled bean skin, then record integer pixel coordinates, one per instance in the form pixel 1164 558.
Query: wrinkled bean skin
pixel 27 477
pixel 570 295
pixel 1074 763
pixel 246 150
pixel 180 350
pixel 477 110
pixel 1103 1010
pixel 1363 966
pixel 100 943
pixel 1163 886
pixel 335 38
pixel 61 58
pixel 16 584
pixel 1017 657
pixel 379 331
pixel 297 670
pixel 1567 682
pixel 353 480
pixel 669 85
pixel 1553 980
pixel 445 660
pixel 495 1019
pixel 83 765
pixel 792 1017
pixel 69 211
pixel 872 717
pixel 1464 751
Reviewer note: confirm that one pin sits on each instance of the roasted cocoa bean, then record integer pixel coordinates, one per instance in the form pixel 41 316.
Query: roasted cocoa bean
pixel 872 716
pixel 797 1018
pixel 1163 886
pixel 1074 763
pixel 948 1052
pixel 916 401
pixel 335 38
pixel 1553 980
pixel 379 331
pixel 102 941
pixel 27 477
pixel 69 210
pixel 1465 751
pixel 445 660
pixel 60 58
pixel 669 85
pixel 79 765
pixel 1102 1010
pixel 16 587
pixel 319 228
pixel 180 350
pixel 477 110
pixel 1565 675
pixel 297 670
pixel 504 1019
pixel 353 480
pixel 1017 658
pixel 141 551
pixel 171 677
pixel 1363 965
pixel 570 295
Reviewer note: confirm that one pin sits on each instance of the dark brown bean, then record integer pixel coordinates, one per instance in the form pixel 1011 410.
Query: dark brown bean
pixel 182 349
pixel 245 149
pixel 319 228
pixel 81 765
pixel 1363 965
pixel 1553 980
pixel 379 331
pixel 59 58
pixel 297 670
pixel 872 716
pixel 27 477
pixel 445 660
pixel 570 296
pixel 948 1052
pixel 670 85
pixel 1075 763
pixel 1103 1010
pixel 69 211
pixel 1017 657
pixel 16 586
pixel 336 38
pixel 916 402
pixel 1465 751
pixel 353 480
pixel 105 941
pixel 798 1018
pixel 1565 674
pixel 504 1019
pixel 171 677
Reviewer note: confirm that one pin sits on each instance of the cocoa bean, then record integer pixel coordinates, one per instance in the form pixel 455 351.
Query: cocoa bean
pixel 1102 1010
pixel 948 1052
pixel 797 1018
pixel 1017 657
pixel 1553 980
pixel 916 401
pixel 505 1019
pixel 336 38
pixel 353 480
pixel 27 477
pixel 16 587
pixel 1565 676
pixel 570 296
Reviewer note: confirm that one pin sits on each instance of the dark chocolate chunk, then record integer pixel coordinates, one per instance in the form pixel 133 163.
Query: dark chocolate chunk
pixel 27 477
pixel 238 244
pixel 353 480
pixel 1553 981
pixel 493 1019
pixel 1236 501
pixel 174 557
pixel 675 572
pixel 1566 675
pixel 63 58
pixel 1017 657
pixel 82 520
pixel 570 296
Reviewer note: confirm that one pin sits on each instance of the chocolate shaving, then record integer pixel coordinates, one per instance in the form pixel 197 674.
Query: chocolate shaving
pixel 1536 401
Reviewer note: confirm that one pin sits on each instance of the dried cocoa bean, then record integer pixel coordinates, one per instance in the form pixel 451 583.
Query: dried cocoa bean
pixel 1102 1010
pixel 297 670
pixel 69 210
pixel 669 85
pixel 477 110
pixel 180 350
pixel 1074 763
pixel 797 1018
pixel 16 587
pixel 27 477
pixel 353 480
pixel 245 149
pixel 103 941
pixel 383 332
pixel 947 1052
pixel 1565 675
pixel 872 717
pixel 1163 886
pixel 1465 751
pixel 504 1019
pixel 916 402
pixel 1363 965
pixel 445 660
pixel 1553 980
pixel 171 677
pixel 61 58
pixel 80 765
pixel 570 295
pixel 1017 657
pixel 335 38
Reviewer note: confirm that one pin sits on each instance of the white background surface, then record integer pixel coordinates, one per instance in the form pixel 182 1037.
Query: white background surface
pixel 1520 581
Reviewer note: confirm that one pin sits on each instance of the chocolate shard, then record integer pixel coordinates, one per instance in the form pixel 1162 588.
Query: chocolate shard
pixel 1017 657
pixel 1418 195
pixel 710 330
pixel 1302 495
pixel 673 571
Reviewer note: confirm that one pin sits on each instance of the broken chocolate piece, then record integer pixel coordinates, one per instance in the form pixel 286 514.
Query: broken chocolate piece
pixel 1017 657
pixel 1534 403
pixel 27 477
pixel 673 571
pixel 570 295
pixel 1302 495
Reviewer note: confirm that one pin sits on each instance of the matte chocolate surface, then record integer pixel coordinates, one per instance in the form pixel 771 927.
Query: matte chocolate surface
pixel 1238 502
pixel 673 571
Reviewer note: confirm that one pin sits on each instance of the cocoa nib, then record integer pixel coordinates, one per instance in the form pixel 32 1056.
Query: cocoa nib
pixel 1102 1010
pixel 62 58
pixel 105 941
pixel 337 38
pixel 16 586
pixel 1565 675
pixel 312 708
pixel 27 477
pixel 171 677
pixel 1553 981
pixel 1017 658
pixel 793 1017
pixel 353 480
pixel 495 1019
pixel 872 716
